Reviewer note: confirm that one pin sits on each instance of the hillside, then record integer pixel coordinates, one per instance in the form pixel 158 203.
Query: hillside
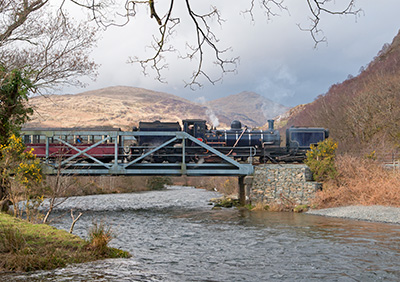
pixel 124 107
pixel 114 106
pixel 363 112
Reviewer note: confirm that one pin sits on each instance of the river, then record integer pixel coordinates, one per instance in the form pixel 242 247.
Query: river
pixel 174 235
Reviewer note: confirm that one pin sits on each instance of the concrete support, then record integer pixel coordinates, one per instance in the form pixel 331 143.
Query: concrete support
pixel 242 191
pixel 248 183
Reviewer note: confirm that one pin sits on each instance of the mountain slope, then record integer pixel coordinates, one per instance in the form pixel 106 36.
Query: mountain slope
pixel 113 106
pixel 124 107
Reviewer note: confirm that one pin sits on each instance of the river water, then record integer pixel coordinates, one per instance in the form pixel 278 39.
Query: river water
pixel 174 235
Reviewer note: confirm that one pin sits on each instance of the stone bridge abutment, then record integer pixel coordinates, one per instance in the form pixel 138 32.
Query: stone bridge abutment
pixel 281 184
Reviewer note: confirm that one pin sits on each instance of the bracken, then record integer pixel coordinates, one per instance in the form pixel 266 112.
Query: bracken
pixel 360 182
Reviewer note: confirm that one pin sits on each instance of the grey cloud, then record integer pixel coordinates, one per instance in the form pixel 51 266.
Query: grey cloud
pixel 277 59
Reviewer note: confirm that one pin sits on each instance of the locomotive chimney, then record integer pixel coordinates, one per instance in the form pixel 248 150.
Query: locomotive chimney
pixel 271 124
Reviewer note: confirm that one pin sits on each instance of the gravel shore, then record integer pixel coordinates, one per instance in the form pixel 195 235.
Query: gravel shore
pixel 369 213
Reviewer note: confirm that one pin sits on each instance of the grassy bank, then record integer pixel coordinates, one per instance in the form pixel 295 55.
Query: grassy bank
pixel 25 247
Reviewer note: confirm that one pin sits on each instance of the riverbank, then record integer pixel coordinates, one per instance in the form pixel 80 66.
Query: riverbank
pixel 26 247
pixel 374 213
pixel 96 185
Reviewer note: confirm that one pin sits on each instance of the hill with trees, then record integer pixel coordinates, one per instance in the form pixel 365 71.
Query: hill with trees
pixel 363 112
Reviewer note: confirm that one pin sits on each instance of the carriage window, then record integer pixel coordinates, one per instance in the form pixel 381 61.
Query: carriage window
pixel 27 139
pixel 305 139
pixel 36 139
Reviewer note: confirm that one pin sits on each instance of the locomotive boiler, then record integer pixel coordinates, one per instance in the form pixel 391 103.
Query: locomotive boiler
pixel 238 136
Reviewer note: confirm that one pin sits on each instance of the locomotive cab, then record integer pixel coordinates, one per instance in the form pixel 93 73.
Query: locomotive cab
pixel 195 127
pixel 302 138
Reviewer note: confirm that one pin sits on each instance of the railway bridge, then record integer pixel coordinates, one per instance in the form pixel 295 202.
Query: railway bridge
pixel 109 152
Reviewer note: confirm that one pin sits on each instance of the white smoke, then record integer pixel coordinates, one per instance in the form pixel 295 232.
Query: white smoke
pixel 209 112
pixel 271 110
pixel 213 118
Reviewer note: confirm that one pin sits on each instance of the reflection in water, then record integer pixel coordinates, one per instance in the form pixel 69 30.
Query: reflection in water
pixel 175 236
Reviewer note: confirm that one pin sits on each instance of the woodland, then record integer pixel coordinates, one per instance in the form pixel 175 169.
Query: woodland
pixel 363 112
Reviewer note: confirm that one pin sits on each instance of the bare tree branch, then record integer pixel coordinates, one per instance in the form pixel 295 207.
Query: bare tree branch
pixel 63 47
pixel 205 36
pixel 159 46
pixel 74 220
pixel 317 7
pixel 14 17
pixel 267 6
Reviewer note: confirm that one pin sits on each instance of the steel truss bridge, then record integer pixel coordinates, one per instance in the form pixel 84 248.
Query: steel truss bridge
pixel 96 152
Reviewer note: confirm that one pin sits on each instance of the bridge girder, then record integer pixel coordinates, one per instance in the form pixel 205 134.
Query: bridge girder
pixel 71 166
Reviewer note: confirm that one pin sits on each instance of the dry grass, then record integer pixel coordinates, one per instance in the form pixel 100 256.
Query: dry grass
pixel 279 207
pixel 360 182
pixel 99 237
pixel 260 206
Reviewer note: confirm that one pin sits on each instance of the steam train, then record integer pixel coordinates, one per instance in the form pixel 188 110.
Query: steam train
pixel 238 142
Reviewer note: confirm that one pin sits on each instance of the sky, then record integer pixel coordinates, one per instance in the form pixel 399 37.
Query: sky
pixel 277 59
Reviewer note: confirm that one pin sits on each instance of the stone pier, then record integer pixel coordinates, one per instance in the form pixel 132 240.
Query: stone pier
pixel 281 184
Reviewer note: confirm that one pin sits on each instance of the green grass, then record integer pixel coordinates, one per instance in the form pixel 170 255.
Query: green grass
pixel 26 247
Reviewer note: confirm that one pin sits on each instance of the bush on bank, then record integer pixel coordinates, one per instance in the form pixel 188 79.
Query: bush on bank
pixel 158 182
pixel 321 160
pixel 26 247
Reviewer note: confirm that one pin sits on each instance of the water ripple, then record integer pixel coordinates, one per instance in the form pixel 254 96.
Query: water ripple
pixel 175 236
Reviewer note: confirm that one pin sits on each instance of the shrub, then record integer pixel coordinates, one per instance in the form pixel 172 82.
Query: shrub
pixel 158 182
pixel 259 206
pixel 21 174
pixel 230 187
pixel 321 160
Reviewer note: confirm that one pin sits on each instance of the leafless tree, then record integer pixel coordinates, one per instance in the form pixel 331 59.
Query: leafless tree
pixel 58 186
pixel 48 45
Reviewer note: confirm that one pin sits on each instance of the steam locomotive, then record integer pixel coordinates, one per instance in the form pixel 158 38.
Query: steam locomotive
pixel 238 142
